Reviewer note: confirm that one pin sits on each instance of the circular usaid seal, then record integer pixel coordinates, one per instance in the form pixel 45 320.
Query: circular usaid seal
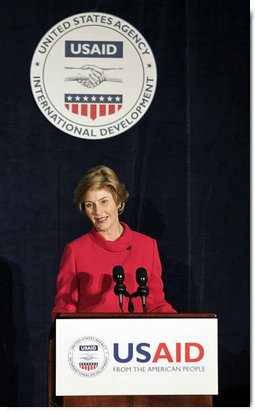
pixel 88 356
pixel 93 75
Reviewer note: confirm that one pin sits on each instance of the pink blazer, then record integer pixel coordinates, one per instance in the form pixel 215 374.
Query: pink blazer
pixel 85 282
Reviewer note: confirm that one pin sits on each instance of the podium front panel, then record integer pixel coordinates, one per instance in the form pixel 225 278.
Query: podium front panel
pixel 136 356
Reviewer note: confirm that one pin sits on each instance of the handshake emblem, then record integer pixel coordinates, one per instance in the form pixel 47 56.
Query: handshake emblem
pixel 92 76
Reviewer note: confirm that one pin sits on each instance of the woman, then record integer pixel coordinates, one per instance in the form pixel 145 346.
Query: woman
pixel 85 280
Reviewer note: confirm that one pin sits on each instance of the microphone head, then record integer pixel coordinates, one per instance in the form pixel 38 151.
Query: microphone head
pixel 141 276
pixel 118 274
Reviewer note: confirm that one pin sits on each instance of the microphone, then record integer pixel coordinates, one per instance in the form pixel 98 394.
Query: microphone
pixel 143 290
pixel 119 289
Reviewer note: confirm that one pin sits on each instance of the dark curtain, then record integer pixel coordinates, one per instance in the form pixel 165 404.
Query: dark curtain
pixel 186 164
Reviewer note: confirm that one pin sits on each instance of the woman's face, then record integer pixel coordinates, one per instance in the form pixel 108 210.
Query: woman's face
pixel 102 210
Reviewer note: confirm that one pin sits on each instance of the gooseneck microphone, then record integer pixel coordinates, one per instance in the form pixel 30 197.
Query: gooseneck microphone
pixel 142 290
pixel 119 289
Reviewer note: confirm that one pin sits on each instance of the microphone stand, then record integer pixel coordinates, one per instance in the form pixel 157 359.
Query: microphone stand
pixel 120 290
pixel 142 291
pixel 130 303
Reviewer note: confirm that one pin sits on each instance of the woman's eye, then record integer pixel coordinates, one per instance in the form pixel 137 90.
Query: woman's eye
pixel 104 202
pixel 88 205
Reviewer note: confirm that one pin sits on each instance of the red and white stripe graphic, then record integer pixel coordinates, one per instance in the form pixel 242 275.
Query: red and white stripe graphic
pixel 93 110
pixel 93 106
pixel 88 366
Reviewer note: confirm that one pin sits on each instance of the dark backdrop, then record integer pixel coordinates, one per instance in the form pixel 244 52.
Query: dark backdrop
pixel 185 164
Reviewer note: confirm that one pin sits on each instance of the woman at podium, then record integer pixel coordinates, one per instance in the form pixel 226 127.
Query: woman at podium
pixel 103 263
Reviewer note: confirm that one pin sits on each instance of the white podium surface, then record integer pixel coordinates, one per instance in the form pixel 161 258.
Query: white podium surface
pixel 136 356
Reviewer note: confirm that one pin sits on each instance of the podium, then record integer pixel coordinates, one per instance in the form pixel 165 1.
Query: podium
pixel 133 360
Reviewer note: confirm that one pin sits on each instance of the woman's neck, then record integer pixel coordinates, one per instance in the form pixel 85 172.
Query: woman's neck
pixel 113 233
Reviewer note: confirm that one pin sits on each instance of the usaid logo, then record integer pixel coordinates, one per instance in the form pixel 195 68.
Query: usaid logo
pixel 93 49
pixel 180 352
pixel 88 356
pixel 93 76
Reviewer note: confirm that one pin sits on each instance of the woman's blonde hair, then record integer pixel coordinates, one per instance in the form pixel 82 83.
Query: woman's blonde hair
pixel 100 177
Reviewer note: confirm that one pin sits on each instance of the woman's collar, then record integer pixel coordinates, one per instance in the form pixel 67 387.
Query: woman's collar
pixel 124 242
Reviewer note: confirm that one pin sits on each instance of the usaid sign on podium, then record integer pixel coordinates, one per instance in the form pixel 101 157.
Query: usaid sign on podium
pixel 136 355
